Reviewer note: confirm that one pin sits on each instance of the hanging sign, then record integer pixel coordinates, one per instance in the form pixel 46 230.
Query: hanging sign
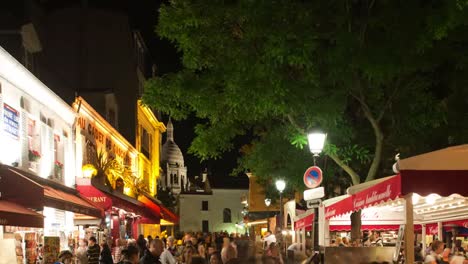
pixel 11 121
pixel 313 177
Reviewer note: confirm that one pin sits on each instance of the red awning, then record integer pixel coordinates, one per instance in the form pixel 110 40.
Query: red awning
pixel 156 206
pixel 304 222
pixel 339 208
pixel 31 194
pixel 347 228
pixel 17 215
pixel 70 202
pixel 443 183
pixel 107 200
pixel 389 189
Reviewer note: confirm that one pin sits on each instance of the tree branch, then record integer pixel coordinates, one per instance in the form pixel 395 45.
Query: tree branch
pixel 354 176
pixel 295 124
pixel 378 137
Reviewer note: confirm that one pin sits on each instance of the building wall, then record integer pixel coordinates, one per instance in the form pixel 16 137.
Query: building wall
pixel 33 118
pixel 149 155
pixel 192 215
pixel 257 197
pixel 95 135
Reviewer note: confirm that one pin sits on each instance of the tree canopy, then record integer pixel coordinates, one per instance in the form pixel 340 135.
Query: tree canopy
pixel 379 77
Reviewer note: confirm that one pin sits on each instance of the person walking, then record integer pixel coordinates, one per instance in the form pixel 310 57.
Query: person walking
pixel 169 254
pixel 106 255
pixel 81 252
pixel 154 252
pixel 131 255
pixel 93 252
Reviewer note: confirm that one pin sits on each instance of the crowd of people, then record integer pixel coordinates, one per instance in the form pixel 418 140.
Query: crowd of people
pixel 191 248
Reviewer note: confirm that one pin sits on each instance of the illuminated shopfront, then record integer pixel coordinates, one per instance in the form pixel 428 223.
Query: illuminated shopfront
pixel 110 175
pixel 37 167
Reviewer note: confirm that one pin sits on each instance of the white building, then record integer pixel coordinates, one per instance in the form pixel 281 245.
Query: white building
pixel 35 124
pixel 219 211
pixel 174 176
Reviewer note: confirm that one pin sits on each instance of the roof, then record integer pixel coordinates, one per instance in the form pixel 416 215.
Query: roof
pixel 452 158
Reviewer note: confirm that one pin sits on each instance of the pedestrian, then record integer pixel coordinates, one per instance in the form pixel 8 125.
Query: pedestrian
pixel 106 255
pixel 437 248
pixel 81 252
pixel 94 251
pixel 141 243
pixel 131 255
pixel 268 239
pixel 154 252
pixel 169 254
pixel 65 257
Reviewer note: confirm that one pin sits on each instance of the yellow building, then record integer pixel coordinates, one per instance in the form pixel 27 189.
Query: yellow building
pixel 148 142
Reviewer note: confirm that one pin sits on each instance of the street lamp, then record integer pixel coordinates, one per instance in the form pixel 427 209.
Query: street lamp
pixel 280 185
pixel 267 203
pixel 316 142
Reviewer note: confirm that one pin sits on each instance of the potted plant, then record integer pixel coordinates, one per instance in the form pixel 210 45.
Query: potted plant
pixel 58 168
pixel 34 155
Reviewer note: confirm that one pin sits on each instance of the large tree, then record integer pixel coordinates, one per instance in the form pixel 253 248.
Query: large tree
pixel 375 75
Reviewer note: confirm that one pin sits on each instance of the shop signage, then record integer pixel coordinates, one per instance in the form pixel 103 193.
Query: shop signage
pixel 95 196
pixel 313 194
pixel 339 208
pixel 304 222
pixel 11 121
pixel 381 192
pixel 102 139
pixel 313 177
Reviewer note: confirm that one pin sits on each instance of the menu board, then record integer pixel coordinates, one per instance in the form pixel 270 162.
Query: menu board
pixel 51 249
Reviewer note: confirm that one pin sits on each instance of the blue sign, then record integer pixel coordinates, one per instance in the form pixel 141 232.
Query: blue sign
pixel 11 121
pixel 313 177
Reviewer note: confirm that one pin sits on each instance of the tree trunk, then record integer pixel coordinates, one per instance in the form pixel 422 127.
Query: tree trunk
pixel 356 225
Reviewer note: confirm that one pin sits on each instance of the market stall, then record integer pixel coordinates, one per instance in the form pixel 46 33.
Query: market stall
pixel 427 190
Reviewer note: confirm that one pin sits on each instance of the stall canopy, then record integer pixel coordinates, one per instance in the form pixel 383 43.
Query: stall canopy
pixel 304 221
pixel 436 179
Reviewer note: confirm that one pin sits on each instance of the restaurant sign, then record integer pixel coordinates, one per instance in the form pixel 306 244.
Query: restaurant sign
pixel 102 139
pixel 95 196
pixel 386 190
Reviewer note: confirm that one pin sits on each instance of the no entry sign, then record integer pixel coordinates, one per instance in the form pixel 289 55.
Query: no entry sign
pixel 313 177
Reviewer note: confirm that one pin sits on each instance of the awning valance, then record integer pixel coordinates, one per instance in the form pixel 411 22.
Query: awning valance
pixel 304 221
pixel 17 215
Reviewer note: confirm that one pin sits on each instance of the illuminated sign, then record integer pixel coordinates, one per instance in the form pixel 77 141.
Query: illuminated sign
pixel 11 121
pixel 102 138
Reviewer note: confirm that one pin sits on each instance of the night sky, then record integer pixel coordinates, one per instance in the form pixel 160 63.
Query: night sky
pixel 143 17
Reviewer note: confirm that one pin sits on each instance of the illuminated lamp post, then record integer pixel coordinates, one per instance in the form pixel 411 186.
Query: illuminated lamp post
pixel 280 185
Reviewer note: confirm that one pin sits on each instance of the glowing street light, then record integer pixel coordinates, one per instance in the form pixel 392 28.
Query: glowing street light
pixel 280 186
pixel 316 142
pixel 268 203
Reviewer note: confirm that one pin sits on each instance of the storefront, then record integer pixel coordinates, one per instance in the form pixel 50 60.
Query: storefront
pixel 36 134
pixel 303 228
pixel 424 192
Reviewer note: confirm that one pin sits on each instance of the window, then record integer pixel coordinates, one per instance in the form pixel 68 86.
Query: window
pixel 145 143
pixel 204 205
pixel 227 215
pixel 205 226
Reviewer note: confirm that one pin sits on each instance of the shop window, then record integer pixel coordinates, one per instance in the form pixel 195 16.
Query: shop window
pixel 145 143
pixel 58 158
pixel 204 205
pixel 227 215
pixel 24 103
pixel 205 226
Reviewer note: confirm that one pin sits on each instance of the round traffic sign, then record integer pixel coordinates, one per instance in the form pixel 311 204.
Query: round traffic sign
pixel 313 177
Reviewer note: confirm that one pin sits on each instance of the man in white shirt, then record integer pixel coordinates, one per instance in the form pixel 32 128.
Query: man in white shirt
pixel 268 239
pixel 167 257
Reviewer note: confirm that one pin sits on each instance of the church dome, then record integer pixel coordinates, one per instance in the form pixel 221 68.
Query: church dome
pixel 171 153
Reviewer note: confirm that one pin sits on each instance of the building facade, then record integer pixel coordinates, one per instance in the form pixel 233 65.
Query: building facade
pixel 219 211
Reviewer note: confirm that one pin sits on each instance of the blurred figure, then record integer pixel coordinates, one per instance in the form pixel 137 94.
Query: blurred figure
pixel 215 258
pixel 81 252
pixel 169 254
pixel 437 248
pixel 141 243
pixel 94 251
pixel 65 257
pixel 106 256
pixel 131 255
pixel 268 239
pixel 154 252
